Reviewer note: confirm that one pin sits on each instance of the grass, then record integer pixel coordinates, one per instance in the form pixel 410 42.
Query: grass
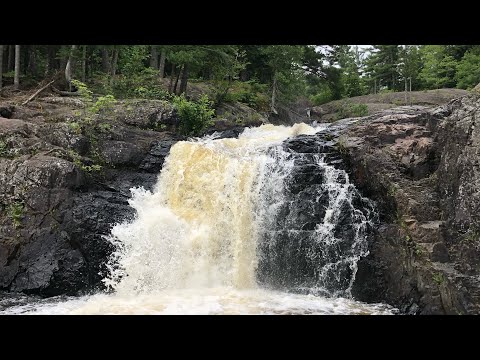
pixel 3 148
pixel 15 212
pixel 438 278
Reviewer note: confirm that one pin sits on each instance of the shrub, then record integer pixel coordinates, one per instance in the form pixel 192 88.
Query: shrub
pixel 15 212
pixel 195 117
pixel 250 93
pixel 348 110
pixel 322 98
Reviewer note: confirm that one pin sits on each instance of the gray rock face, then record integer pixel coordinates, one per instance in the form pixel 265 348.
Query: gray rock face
pixel 55 214
pixel 420 166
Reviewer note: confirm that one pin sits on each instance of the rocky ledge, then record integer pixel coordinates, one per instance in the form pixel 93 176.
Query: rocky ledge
pixel 421 165
pixel 62 189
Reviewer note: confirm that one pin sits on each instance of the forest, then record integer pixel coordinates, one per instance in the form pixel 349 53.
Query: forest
pixel 260 76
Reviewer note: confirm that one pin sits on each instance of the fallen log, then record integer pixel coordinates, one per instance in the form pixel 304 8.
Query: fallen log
pixel 37 92
pixel 65 93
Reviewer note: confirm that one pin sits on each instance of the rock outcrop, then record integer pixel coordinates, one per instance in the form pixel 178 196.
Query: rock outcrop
pixel 62 190
pixel 421 167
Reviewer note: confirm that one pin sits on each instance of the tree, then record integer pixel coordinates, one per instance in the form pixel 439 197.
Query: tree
pixel 161 66
pixel 16 80
pixel 382 66
pixel 350 74
pixel 283 60
pixel 84 62
pixel 69 67
pixel 410 65
pixel 468 69
pixel 439 67
pixel 154 57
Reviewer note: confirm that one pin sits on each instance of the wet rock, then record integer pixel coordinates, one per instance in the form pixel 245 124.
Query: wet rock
pixel 55 216
pixel 154 160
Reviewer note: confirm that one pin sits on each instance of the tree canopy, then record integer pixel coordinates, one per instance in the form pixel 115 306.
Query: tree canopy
pixel 259 75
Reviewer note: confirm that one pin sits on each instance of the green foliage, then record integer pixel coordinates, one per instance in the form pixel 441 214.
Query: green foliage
pixel 105 127
pixel 195 117
pixel 438 278
pixel 352 84
pixel 348 109
pixel 143 84
pixel 152 92
pixel 250 93
pixel 439 67
pixel 410 65
pixel 418 251
pixel 83 89
pixel 15 212
pixel 392 190
pixel 472 236
pixel 468 70
pixel 226 71
pixel 91 168
pixel 103 105
pixel 132 59
pixel 3 148
pixel 77 160
pixel 75 127
pixel 382 65
pixel 323 96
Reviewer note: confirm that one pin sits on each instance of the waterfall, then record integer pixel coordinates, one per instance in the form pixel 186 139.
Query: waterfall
pixel 266 223
pixel 236 213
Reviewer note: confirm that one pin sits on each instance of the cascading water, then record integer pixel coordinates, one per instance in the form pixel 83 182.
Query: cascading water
pixel 258 224
pixel 316 228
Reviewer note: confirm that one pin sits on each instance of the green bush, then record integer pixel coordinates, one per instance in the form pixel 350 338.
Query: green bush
pixel 348 110
pixel 104 104
pixel 250 93
pixel 195 117
pixel 322 98
pixel 152 92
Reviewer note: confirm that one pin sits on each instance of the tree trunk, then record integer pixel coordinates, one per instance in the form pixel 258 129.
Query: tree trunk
pixel 274 93
pixel 162 63
pixel 16 81
pixel 243 75
pixel 154 57
pixel 176 81
pixel 172 75
pixel 1 66
pixel 32 61
pixel 63 60
pixel 69 68
pixel 50 65
pixel 105 61
pixel 114 66
pixel 183 83
pixel 11 58
pixel 84 63
pixel 24 63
